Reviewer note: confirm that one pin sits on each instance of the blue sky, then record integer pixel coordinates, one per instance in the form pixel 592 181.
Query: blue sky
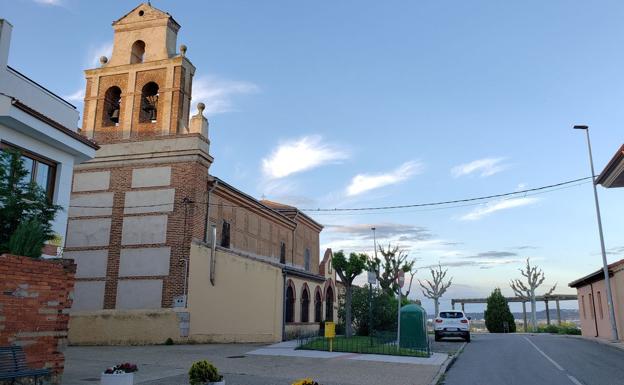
pixel 367 103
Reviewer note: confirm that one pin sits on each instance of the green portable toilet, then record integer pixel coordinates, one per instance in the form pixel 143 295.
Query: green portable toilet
pixel 414 328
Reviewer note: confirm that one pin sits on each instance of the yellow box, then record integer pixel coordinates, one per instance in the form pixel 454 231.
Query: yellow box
pixel 330 330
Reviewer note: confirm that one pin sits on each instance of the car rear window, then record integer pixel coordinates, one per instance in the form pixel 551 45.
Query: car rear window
pixel 451 314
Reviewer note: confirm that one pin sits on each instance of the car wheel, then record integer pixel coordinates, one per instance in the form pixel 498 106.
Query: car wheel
pixel 467 337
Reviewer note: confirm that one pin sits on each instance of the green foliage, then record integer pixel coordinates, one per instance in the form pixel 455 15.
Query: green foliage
pixel 22 203
pixel 202 372
pixel 394 259
pixel 169 341
pixel 384 311
pixel 347 270
pixel 28 239
pixel 568 328
pixel 497 314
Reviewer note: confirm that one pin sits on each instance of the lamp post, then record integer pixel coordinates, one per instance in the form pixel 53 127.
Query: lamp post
pixel 605 266
pixel 371 279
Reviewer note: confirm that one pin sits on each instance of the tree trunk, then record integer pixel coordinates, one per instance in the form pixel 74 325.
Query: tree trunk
pixel 533 311
pixel 437 306
pixel 348 327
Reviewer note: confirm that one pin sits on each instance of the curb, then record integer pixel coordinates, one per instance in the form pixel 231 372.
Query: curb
pixel 447 365
pixel 613 345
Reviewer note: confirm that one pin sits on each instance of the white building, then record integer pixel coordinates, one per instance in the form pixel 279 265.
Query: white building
pixel 43 127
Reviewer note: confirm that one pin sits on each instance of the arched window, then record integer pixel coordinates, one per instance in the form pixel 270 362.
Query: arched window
pixel 112 105
pixel 290 304
pixel 318 306
pixel 329 304
pixel 138 52
pixel 149 103
pixel 306 259
pixel 305 305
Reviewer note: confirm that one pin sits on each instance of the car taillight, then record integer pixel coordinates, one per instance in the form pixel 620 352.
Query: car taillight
pixel 464 321
pixel 438 320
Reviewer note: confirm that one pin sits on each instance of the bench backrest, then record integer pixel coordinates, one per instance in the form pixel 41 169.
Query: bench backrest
pixel 12 359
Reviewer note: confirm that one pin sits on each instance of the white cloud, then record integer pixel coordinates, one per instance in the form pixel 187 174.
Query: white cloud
pixel 76 97
pixel 95 52
pixel 56 3
pixel 300 155
pixel 484 167
pixel 365 182
pixel 217 93
pixel 492 207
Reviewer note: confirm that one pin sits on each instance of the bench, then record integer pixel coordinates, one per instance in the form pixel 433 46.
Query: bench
pixel 13 364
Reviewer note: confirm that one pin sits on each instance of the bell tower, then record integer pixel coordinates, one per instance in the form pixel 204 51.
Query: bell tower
pixel 144 89
pixel 136 206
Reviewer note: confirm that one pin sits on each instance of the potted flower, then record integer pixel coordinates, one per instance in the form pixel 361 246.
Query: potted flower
pixel 204 373
pixel 121 374
pixel 305 381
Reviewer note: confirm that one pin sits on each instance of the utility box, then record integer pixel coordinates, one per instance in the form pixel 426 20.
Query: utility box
pixel 414 328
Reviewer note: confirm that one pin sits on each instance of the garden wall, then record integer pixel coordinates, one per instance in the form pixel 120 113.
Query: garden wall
pixel 35 297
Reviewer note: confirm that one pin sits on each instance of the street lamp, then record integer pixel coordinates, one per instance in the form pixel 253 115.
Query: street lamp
pixel 605 266
pixel 372 278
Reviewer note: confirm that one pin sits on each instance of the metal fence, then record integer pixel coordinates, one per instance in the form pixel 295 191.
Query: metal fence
pixel 378 343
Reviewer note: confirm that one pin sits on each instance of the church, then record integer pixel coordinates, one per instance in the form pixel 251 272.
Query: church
pixel 163 248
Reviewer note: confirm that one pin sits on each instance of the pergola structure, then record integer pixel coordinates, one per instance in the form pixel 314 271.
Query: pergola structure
pixel 538 298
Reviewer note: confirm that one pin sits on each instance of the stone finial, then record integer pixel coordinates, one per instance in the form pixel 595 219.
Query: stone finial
pixel 103 60
pixel 199 124
pixel 200 108
pixel 183 49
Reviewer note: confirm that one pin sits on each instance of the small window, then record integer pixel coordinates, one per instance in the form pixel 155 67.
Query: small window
pixel 329 266
pixel 282 252
pixel 451 314
pixel 600 305
pixel 112 105
pixel 40 170
pixel 306 259
pixel 225 235
pixel 583 306
pixel 591 303
pixel 138 52
pixel 149 103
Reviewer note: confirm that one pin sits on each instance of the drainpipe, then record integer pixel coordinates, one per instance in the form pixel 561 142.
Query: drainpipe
pixel 593 305
pixel 284 305
pixel 294 240
pixel 207 219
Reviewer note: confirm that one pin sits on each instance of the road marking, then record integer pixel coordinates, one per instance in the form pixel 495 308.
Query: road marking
pixel 570 377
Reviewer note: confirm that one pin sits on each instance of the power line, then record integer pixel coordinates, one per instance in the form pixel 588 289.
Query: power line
pixel 328 211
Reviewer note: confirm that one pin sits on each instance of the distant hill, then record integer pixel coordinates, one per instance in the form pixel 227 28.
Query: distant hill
pixel 566 314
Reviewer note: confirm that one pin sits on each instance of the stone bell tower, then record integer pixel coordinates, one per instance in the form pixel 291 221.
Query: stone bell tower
pixel 136 206
pixel 144 89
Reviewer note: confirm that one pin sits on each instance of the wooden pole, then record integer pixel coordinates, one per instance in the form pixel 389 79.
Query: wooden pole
pixel 547 313
pixel 558 313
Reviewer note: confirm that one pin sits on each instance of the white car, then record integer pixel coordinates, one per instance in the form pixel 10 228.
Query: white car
pixel 451 323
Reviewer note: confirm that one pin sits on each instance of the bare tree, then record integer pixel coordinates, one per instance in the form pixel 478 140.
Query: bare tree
pixel 387 270
pixel 436 288
pixel 525 288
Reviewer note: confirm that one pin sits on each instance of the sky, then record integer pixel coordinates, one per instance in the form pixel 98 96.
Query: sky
pixel 350 104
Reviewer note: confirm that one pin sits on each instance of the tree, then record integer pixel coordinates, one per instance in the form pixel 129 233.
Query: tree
pixel 436 288
pixel 347 270
pixel 26 213
pixel 384 309
pixel 387 270
pixel 497 314
pixel 534 278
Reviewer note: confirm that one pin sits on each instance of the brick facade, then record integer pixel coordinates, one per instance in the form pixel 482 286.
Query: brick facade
pixel 35 296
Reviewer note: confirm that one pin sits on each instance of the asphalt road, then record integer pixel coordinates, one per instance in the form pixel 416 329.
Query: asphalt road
pixel 510 359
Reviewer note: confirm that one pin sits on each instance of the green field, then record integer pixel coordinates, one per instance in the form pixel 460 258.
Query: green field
pixel 360 344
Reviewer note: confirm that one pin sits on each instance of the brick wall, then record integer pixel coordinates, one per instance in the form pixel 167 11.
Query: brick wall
pixel 34 303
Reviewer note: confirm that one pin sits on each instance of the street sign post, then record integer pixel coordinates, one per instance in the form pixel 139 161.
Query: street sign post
pixel 330 333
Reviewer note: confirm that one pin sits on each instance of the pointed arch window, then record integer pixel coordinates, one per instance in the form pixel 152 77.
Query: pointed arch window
pixel 112 106
pixel 318 307
pixel 138 52
pixel 290 304
pixel 329 304
pixel 305 305
pixel 149 103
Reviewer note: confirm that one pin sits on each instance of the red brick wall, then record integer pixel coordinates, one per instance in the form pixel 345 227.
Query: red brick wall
pixel 34 301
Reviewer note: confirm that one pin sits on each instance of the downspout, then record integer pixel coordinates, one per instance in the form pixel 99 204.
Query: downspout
pixel 292 259
pixel 593 305
pixel 207 219
pixel 284 305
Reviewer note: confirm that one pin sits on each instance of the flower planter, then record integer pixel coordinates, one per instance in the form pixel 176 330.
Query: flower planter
pixel 117 379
